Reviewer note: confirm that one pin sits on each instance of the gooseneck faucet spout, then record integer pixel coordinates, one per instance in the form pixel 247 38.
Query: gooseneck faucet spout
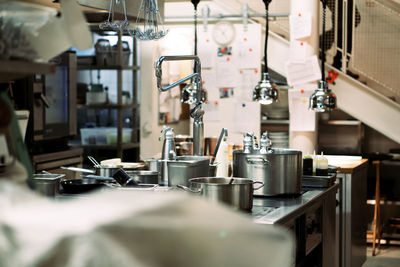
pixel 191 94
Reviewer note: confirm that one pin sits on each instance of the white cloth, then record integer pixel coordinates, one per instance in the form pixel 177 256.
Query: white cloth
pixel 130 228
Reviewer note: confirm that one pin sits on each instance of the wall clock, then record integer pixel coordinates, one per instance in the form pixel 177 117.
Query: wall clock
pixel 223 33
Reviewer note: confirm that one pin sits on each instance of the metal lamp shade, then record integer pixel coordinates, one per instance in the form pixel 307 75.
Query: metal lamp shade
pixel 266 92
pixel 322 100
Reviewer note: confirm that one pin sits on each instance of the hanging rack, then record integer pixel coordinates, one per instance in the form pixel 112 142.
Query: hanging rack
pixel 244 17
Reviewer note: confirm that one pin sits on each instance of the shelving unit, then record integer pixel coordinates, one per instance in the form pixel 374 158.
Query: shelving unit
pixel 120 146
pixel 340 134
pixel 16 69
pixel 274 125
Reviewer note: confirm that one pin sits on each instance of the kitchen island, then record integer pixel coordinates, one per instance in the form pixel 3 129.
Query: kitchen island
pixel 310 216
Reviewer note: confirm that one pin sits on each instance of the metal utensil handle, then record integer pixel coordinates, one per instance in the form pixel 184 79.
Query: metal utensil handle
pixel 189 190
pixel 75 169
pixel 257 182
pixel 260 161
pixel 94 161
pixel 221 135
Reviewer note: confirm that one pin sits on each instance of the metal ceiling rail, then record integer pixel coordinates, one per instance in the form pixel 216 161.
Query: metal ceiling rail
pixel 206 17
pixel 221 16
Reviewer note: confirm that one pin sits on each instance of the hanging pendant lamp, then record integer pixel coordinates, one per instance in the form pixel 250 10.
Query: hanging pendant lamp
pixel 266 91
pixel 323 99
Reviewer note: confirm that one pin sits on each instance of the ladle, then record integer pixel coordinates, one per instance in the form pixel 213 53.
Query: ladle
pixel 224 131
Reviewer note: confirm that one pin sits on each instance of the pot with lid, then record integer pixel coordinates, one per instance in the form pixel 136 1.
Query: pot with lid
pixel 279 169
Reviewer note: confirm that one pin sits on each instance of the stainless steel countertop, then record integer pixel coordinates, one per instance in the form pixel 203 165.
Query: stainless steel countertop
pixel 279 210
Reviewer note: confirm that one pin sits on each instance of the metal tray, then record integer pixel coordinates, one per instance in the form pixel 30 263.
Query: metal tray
pixel 318 181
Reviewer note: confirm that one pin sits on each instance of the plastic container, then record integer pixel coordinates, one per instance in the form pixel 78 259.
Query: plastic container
pixel 321 166
pixel 104 135
pixel 112 135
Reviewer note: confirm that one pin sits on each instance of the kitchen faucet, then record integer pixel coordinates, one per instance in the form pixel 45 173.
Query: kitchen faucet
pixel 191 94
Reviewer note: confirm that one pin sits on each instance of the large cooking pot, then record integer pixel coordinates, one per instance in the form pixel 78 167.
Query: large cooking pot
pixel 279 169
pixel 236 192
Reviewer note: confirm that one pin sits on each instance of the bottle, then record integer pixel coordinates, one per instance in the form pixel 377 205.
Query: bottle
pixel 314 166
pixel 168 153
pixel 222 158
pixel 322 166
pixel 308 165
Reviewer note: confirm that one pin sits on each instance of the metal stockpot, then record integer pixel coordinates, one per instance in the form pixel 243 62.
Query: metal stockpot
pixel 186 167
pixel 238 193
pixel 279 169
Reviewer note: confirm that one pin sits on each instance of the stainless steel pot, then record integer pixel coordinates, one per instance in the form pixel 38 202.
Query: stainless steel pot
pixel 279 169
pixel 184 148
pixel 144 177
pixel 186 167
pixel 48 184
pixel 236 192
pixel 154 164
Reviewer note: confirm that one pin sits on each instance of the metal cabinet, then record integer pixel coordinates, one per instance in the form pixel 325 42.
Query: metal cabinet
pixel 352 216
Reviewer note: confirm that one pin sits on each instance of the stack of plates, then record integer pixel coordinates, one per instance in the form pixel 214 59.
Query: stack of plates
pixel 279 139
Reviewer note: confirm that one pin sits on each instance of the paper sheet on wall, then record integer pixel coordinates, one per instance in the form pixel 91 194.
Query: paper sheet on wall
pixel 302 72
pixel 300 25
pixel 209 84
pixel 207 51
pixel 298 51
pixel 247 116
pixel 301 118
pixel 249 56
pixel 227 72
pixel 211 111
pixel 249 79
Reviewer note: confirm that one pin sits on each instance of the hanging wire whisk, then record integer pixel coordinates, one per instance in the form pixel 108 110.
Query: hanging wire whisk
pixel 153 27
pixel 110 23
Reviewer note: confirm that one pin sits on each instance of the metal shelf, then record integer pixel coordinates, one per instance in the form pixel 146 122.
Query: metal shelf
pixel 17 69
pixel 107 106
pixel 77 143
pixel 116 67
pixel 275 122
pixel 341 122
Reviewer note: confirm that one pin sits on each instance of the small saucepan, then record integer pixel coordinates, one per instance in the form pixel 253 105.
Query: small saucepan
pixel 236 192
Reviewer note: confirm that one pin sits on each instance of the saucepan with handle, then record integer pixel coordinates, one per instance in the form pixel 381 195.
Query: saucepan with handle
pixel 236 192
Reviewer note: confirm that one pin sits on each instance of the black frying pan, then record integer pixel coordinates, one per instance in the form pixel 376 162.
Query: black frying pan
pixel 76 186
